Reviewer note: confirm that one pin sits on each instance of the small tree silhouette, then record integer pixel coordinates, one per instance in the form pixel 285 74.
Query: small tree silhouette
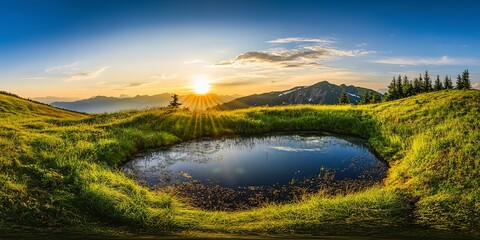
pixel 344 98
pixel 174 103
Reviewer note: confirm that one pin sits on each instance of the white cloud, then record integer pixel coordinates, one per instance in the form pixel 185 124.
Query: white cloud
pixel 34 78
pixel 476 85
pixel 305 40
pixel 63 68
pixel 445 60
pixel 194 61
pixel 86 74
pixel 164 76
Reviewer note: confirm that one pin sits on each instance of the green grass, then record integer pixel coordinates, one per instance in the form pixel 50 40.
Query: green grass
pixel 58 169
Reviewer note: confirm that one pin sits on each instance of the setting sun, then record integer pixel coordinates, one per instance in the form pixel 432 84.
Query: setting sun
pixel 201 85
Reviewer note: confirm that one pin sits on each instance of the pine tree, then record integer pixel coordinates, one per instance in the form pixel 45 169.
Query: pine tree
pixel 365 99
pixel 376 98
pixel 466 80
pixel 438 84
pixel 407 87
pixel 427 87
pixel 459 82
pixel 420 80
pixel 392 93
pixel 174 103
pixel 417 86
pixel 344 98
pixel 399 87
pixel 447 83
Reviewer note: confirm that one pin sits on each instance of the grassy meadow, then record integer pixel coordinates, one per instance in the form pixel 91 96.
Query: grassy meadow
pixel 59 169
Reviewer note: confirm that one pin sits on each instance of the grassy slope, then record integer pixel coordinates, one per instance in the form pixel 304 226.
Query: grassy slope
pixel 57 168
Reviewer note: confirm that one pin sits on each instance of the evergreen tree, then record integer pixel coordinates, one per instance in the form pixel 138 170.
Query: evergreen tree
pixel 438 84
pixel 447 83
pixel 407 87
pixel 459 82
pixel 344 98
pixel 466 80
pixel 174 103
pixel 376 98
pixel 427 87
pixel 365 99
pixel 399 87
pixel 422 84
pixel 417 86
pixel 392 93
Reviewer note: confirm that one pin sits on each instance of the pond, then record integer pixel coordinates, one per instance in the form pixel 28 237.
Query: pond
pixel 243 172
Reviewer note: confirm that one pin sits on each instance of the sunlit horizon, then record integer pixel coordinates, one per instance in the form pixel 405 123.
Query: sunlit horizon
pixel 130 48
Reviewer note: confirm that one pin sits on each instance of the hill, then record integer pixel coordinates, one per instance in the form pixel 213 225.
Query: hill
pixel 59 169
pixel 319 93
pixel 100 104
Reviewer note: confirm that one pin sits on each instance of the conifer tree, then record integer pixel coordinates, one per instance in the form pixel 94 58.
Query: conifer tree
pixel 438 84
pixel 447 83
pixel 407 87
pixel 422 84
pixel 376 98
pixel 392 93
pixel 399 87
pixel 344 98
pixel 427 87
pixel 174 103
pixel 459 82
pixel 417 86
pixel 365 99
pixel 466 80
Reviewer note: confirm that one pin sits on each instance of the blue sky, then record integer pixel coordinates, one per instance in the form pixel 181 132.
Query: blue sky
pixel 86 48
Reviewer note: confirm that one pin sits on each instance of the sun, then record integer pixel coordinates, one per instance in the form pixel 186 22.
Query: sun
pixel 201 85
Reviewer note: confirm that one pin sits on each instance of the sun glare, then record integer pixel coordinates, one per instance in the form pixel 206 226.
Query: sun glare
pixel 201 85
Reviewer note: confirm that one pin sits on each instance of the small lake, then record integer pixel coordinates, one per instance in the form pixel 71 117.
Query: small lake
pixel 259 164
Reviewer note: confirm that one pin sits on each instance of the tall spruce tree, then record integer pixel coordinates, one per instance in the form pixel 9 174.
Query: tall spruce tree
pixel 459 82
pixel 392 92
pixel 407 87
pixel 399 87
pixel 422 84
pixel 417 86
pixel 447 83
pixel 438 84
pixel 427 83
pixel 376 98
pixel 466 80
pixel 344 98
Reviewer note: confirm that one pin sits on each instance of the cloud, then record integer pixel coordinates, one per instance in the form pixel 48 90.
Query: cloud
pixel 291 58
pixel 476 85
pixel 136 84
pixel 304 40
pixel 63 68
pixel 34 78
pixel 361 44
pixel 445 60
pixel 194 61
pixel 86 74
pixel 164 76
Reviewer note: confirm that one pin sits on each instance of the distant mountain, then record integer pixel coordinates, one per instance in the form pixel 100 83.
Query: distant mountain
pixel 51 99
pixel 319 93
pixel 100 104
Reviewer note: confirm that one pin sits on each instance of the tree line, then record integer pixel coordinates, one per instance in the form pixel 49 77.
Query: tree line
pixel 401 87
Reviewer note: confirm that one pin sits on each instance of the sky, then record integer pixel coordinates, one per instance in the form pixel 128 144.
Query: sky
pixel 80 49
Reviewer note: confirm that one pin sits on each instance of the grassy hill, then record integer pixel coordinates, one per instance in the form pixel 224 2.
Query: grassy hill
pixel 58 169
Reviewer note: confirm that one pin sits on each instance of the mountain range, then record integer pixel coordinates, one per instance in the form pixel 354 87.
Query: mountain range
pixel 319 93
pixel 101 104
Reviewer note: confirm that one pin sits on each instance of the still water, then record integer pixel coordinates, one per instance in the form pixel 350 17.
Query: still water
pixel 257 161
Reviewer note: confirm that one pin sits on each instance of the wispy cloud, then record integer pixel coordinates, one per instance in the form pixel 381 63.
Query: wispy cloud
pixel 288 58
pixel 63 68
pixel 445 60
pixel 34 78
pixel 194 61
pixel 86 74
pixel 476 85
pixel 164 76
pixel 304 40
